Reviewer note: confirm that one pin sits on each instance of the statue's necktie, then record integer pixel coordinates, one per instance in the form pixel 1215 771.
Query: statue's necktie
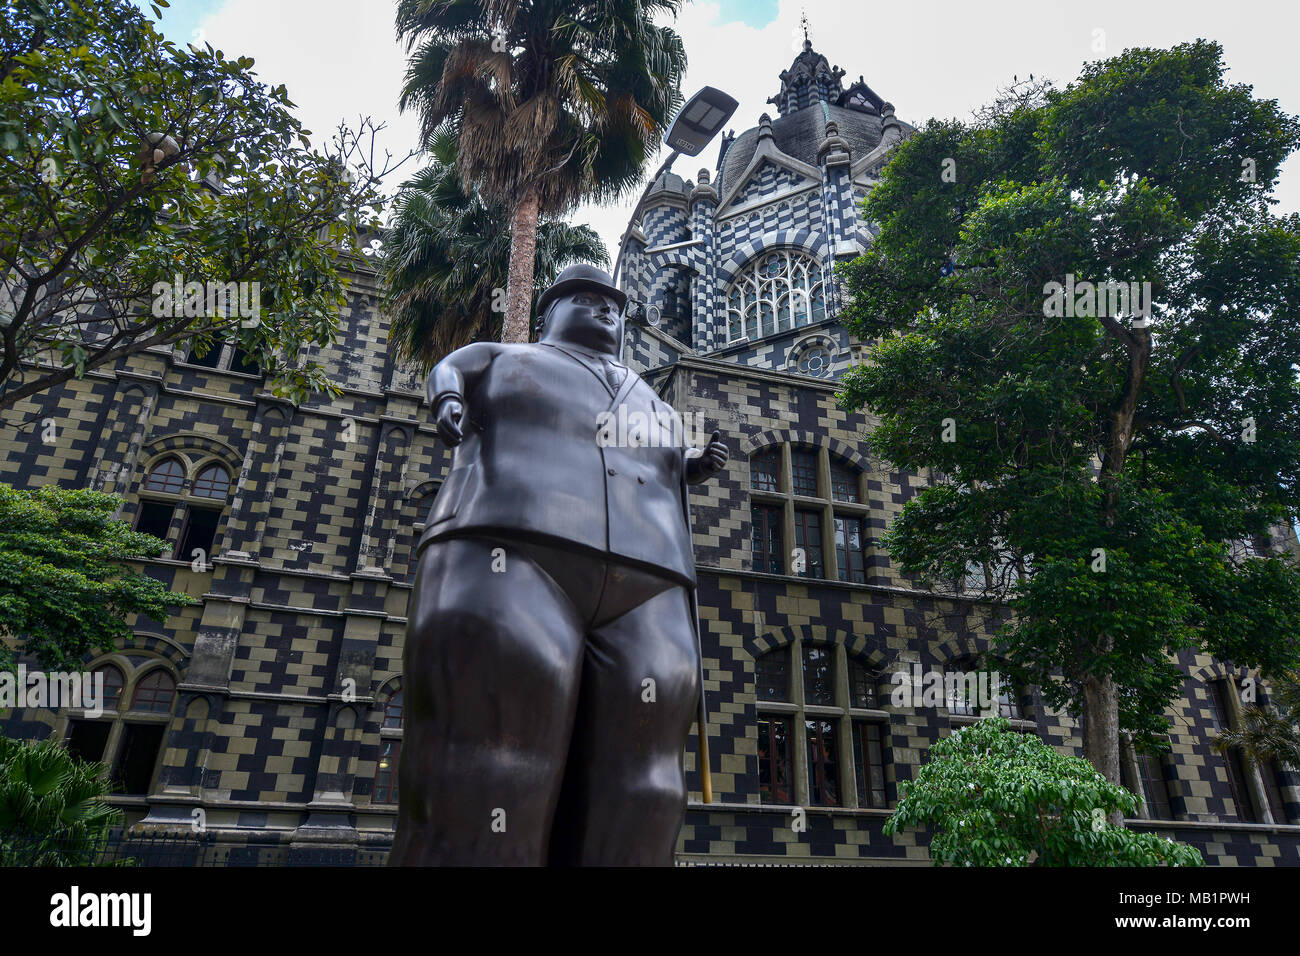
pixel 614 373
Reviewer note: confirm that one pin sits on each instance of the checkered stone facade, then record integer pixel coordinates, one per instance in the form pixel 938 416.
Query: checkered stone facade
pixel 276 739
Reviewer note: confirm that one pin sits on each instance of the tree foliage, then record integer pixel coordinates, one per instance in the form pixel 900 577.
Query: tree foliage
pixel 1270 729
pixel 126 161
pixel 66 588
pixel 1098 464
pixel 446 257
pixel 52 809
pixel 553 103
pixel 994 797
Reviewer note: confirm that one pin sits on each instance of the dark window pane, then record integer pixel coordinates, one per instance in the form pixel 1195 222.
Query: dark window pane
pixel 862 684
pixel 774 760
pixel 209 359
pixel 212 482
pixel 772 675
pixel 767 547
pixel 87 739
pixel 200 532
pixel 1246 812
pixel 849 537
pixel 1273 791
pixel 137 756
pixel 1008 698
pixel 808 536
pixel 764 470
pixel 390 750
pixel 1155 788
pixel 823 766
pixel 1219 705
pixel 819 675
pixel 244 363
pixel 155 518
pixel 155 692
pixel 113 684
pixel 804 472
pixel 869 752
pixel 844 483
pixel 167 476
pixel 393 711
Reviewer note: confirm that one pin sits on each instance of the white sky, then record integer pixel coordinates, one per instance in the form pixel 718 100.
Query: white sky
pixel 944 58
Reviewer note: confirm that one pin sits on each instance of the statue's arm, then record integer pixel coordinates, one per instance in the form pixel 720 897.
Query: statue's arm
pixel 703 463
pixel 451 380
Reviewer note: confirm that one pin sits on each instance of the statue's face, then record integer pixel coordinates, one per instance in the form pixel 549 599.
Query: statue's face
pixel 586 317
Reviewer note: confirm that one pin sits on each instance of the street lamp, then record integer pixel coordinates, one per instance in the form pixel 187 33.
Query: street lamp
pixel 692 129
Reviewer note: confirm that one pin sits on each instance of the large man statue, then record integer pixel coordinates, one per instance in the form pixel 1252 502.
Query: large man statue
pixel 552 661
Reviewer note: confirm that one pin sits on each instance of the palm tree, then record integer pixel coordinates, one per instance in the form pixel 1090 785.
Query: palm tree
pixel 1268 732
pixel 447 255
pixel 553 102
pixel 52 810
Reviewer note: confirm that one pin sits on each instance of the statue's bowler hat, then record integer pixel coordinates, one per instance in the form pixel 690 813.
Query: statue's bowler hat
pixel 581 276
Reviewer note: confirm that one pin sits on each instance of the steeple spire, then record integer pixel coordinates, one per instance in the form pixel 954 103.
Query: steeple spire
pixel 810 79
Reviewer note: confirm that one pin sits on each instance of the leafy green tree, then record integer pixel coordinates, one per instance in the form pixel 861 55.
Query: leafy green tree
pixel 553 103
pixel 446 257
pixel 1270 731
pixel 52 809
pixel 995 797
pixel 65 587
pixel 126 161
pixel 1095 460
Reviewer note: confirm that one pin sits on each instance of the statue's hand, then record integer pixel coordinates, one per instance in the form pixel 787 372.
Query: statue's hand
pixel 448 421
pixel 708 462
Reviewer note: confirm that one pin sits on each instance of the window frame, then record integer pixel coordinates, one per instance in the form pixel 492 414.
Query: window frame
pixel 843 715
pixel 829 509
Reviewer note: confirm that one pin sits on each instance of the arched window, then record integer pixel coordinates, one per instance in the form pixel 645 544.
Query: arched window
pixel 163 496
pixel 777 291
pixel 168 476
pixel 154 693
pixel 805 713
pixel 393 711
pixel 129 739
pixel 212 482
pixel 390 750
pixel 113 684
pixel 971 691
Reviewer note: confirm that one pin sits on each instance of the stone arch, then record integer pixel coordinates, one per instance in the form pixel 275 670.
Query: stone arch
pixel 956 648
pixel 858 645
pixel 185 444
pixel 804 240
pixel 777 436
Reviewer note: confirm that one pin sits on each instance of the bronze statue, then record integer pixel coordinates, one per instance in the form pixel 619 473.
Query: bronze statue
pixel 552 664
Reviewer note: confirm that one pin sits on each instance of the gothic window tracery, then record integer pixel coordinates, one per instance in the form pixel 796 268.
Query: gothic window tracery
pixel 777 291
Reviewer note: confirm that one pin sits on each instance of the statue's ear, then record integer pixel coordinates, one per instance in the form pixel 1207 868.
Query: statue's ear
pixel 539 324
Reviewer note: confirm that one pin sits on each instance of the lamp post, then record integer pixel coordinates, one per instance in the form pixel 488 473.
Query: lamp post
pixel 692 129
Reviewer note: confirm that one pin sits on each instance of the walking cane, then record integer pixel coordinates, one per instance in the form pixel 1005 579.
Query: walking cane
pixel 701 715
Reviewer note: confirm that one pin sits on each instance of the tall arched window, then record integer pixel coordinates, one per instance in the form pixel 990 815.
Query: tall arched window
pixel 390 750
pixel 128 737
pixel 822 739
pixel 777 291
pixel 169 489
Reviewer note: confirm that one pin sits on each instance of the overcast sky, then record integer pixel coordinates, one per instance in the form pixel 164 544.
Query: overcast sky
pixel 944 58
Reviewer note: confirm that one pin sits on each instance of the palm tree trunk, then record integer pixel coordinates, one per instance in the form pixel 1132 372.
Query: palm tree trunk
pixel 519 282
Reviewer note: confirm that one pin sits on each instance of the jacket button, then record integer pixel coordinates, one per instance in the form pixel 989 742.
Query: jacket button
pixel 612 472
pixel 640 480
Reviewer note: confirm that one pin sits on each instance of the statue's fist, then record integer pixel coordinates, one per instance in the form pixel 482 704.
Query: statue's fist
pixel 708 462
pixel 448 421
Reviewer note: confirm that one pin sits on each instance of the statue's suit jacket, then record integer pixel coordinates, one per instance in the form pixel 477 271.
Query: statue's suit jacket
pixel 532 462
